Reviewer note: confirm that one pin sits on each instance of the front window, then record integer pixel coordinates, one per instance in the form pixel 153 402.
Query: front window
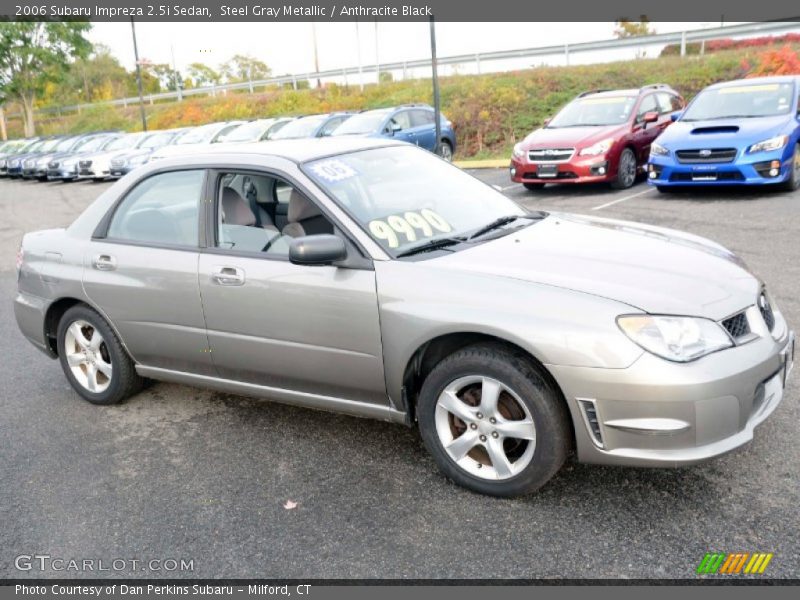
pixel 247 132
pixel 300 128
pixel 92 144
pixel 157 140
pixel 742 101
pixel 403 196
pixel 198 135
pixel 125 142
pixel 595 111
pixel 65 145
pixel 367 122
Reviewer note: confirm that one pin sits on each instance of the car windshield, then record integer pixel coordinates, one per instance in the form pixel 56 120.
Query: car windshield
pixel 595 111
pixel 157 140
pixel 300 128
pixel 91 144
pixel 742 101
pixel 248 132
pixel 49 145
pixel 198 135
pixel 403 196
pixel 125 142
pixel 65 144
pixel 367 122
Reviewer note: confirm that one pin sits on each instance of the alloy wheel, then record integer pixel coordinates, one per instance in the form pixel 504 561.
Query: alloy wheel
pixel 627 168
pixel 87 356
pixel 446 152
pixel 485 428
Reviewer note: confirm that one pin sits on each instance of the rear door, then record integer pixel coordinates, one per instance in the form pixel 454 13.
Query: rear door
pixel 646 133
pixel 141 271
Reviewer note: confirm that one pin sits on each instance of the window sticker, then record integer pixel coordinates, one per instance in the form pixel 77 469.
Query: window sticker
pixel 411 225
pixel 744 89
pixel 333 170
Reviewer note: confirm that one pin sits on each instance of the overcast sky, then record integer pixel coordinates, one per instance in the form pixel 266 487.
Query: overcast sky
pixel 287 47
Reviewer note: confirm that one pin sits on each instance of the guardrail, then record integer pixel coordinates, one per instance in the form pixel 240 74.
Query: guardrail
pixel 684 37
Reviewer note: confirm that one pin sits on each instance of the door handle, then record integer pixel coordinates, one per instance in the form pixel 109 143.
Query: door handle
pixel 104 262
pixel 228 276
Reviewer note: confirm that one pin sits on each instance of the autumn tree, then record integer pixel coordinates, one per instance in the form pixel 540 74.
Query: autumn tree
pixel 627 29
pixel 33 53
pixel 202 75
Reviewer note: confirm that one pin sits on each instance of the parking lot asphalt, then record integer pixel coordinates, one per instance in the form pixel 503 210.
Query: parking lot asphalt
pixel 178 472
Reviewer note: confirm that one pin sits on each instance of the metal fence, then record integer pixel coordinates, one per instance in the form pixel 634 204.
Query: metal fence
pixel 404 67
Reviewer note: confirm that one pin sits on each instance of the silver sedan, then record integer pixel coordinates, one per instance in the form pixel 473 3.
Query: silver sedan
pixel 373 278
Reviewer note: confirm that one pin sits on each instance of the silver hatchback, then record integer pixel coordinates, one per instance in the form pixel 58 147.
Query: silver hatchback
pixel 373 278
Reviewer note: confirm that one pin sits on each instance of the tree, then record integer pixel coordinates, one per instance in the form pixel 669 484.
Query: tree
pixel 203 75
pixel 244 68
pixel 97 77
pixel 33 53
pixel 162 72
pixel 626 29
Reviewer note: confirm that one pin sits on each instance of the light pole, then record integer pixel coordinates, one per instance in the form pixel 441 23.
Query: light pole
pixel 377 58
pixel 437 109
pixel 358 43
pixel 175 74
pixel 316 56
pixel 138 76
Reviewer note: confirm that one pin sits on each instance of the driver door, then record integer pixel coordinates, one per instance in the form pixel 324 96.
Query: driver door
pixel 305 329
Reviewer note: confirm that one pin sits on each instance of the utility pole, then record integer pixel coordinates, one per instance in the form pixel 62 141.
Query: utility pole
pixel 3 132
pixel 437 109
pixel 175 74
pixel 316 56
pixel 138 76
pixel 358 43
pixel 377 57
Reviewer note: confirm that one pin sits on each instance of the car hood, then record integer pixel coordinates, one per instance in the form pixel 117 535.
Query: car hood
pixel 569 137
pixel 652 269
pixel 732 132
pixel 132 154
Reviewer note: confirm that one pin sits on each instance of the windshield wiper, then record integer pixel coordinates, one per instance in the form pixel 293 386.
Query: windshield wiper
pixel 499 222
pixel 431 245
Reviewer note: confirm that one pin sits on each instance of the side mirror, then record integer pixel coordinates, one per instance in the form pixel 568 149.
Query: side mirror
pixel 650 117
pixel 395 127
pixel 676 115
pixel 546 122
pixel 317 250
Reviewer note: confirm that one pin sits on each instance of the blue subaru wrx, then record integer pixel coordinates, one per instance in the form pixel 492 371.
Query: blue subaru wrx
pixel 744 132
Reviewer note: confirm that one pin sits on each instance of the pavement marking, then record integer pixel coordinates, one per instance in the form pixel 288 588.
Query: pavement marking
pixel 618 200
pixel 508 187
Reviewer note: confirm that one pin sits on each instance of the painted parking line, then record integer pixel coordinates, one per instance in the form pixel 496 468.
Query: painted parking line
pixel 508 187
pixel 618 200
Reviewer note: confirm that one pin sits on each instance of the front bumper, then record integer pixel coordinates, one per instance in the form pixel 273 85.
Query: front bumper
pixel 578 169
pixel 116 172
pixel 34 172
pixel 658 413
pixel 62 173
pixel 747 169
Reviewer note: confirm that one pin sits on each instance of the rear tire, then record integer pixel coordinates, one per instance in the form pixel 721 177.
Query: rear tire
pixel 793 183
pixel 93 359
pixel 626 170
pixel 513 424
pixel 446 150
pixel 533 187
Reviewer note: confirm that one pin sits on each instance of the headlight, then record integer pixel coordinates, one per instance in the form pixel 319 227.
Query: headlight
pixel 518 151
pixel 13 164
pixel 2 163
pixel 598 148
pixel 68 164
pixel 775 143
pixel 658 150
pixel 680 339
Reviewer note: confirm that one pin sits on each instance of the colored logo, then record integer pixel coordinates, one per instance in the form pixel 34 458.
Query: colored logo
pixel 738 563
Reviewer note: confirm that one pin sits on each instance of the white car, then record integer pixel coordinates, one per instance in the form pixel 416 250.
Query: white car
pixel 196 138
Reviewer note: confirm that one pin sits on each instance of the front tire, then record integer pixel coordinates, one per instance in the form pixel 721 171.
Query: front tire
pixel 93 359
pixel 446 150
pixel 493 422
pixel 626 170
pixel 793 183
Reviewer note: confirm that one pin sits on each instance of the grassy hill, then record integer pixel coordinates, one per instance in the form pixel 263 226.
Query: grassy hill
pixel 490 112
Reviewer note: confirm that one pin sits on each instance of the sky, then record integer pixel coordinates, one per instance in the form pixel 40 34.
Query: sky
pixel 288 48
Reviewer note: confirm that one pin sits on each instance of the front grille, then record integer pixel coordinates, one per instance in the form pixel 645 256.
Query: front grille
pixel 737 326
pixel 550 154
pixel 85 164
pixel 708 155
pixel 117 162
pixel 721 176
pixel 559 175
pixel 593 423
pixel 765 308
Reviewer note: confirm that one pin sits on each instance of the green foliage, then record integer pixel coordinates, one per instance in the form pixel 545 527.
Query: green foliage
pixel 244 68
pixel 490 112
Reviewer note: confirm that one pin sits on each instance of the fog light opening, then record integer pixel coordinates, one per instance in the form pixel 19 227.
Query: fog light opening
pixel 653 175
pixel 513 171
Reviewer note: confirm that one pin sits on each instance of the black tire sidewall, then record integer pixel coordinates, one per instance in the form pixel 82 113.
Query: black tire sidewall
pixel 544 403
pixel 119 358
pixel 617 183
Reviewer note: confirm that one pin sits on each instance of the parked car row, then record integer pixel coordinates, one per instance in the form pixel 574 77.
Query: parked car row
pixel 739 132
pixel 112 154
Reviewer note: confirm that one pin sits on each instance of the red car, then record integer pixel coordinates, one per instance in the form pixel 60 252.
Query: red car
pixel 602 135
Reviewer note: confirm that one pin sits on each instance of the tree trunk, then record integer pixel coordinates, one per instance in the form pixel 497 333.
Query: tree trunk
pixel 27 114
pixel 3 132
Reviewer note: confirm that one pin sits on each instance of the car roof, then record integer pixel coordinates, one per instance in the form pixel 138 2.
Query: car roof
pixel 298 151
pixel 756 81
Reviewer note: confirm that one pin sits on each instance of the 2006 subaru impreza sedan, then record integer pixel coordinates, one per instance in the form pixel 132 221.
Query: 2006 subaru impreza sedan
pixel 373 278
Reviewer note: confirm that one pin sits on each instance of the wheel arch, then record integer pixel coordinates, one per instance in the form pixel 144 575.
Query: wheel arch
pixel 432 352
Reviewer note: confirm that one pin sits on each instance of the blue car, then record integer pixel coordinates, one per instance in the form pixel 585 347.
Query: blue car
pixel 744 132
pixel 413 123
